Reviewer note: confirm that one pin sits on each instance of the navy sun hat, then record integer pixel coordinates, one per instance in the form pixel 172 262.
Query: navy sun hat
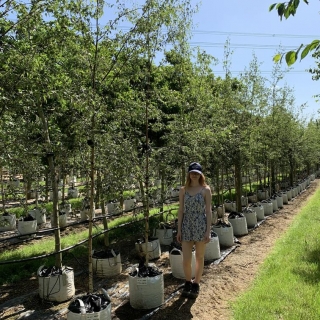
pixel 195 167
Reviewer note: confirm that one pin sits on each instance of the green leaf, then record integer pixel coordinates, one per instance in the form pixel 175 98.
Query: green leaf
pixel 281 9
pixel 314 44
pixel 291 57
pixel 272 7
pixel 293 10
pixel 296 3
pixel 287 12
pixel 277 58
pixel 305 52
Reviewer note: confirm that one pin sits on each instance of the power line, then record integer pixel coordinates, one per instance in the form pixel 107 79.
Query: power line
pixel 207 44
pixel 225 33
pixel 240 45
pixel 253 34
pixel 233 33
pixel 262 72
pixel 244 34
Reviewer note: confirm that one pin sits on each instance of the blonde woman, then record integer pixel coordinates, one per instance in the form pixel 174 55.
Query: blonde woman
pixel 194 225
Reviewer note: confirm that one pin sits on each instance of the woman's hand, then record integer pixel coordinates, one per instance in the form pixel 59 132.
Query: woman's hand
pixel 179 237
pixel 207 236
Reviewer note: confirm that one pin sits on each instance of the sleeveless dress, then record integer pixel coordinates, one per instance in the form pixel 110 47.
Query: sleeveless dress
pixel 194 223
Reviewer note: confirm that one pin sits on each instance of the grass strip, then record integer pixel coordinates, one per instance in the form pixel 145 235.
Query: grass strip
pixel 287 285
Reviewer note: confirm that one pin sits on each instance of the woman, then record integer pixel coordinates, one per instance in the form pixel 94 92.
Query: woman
pixel 194 224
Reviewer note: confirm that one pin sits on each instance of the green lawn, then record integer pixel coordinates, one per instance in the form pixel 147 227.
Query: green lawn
pixel 288 284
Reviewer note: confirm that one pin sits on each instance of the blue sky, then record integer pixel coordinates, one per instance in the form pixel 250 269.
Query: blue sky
pixel 251 28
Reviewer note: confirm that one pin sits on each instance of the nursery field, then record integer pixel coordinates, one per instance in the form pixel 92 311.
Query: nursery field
pixel 222 282
pixel 107 107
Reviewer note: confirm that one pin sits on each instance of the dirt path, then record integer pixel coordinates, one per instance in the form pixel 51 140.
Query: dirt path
pixel 221 282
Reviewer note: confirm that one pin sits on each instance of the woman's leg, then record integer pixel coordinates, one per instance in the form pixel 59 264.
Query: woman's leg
pixel 187 258
pixel 200 250
pixel 195 287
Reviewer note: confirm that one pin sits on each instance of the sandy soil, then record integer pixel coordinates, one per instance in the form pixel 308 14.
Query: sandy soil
pixel 220 285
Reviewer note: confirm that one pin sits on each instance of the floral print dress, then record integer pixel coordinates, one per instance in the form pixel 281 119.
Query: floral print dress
pixel 194 223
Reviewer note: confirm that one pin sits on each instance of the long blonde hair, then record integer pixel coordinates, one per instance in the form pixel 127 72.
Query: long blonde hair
pixel 202 180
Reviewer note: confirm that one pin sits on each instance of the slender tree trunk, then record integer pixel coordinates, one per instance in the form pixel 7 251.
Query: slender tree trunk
pixel 47 185
pixel 143 196
pixel 50 157
pixel 161 195
pixel 308 169
pixel 273 178
pixel 183 174
pixel 63 186
pixel 250 183
pixel 101 204
pixel 36 192
pixel 291 173
pixel 222 188
pixel 99 190
pixel 218 187
pixel 265 176
pixel 121 199
pixel 147 213
pixel 29 184
pixel 2 191
pixel 105 224
pixel 25 185
pixel 259 181
pixel 92 163
pixel 238 183
pixel 229 184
